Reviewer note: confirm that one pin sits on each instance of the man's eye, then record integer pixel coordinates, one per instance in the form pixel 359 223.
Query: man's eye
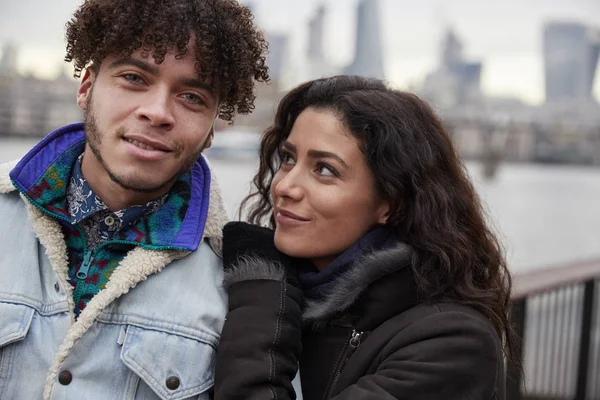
pixel 132 78
pixel 193 98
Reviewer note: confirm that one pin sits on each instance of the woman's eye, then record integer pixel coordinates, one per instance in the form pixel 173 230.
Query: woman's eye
pixel 326 170
pixel 286 158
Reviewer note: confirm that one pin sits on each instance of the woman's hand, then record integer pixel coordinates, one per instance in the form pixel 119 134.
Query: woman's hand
pixel 244 243
pixel 260 344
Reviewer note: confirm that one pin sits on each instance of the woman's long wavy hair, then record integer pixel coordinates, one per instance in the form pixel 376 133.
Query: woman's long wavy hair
pixel 416 168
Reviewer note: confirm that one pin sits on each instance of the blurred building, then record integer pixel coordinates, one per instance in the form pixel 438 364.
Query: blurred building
pixel 570 59
pixel 495 128
pixel 456 80
pixel 251 6
pixel 368 55
pixel 277 57
pixel 34 107
pixel 8 62
pixel 267 94
pixel 316 28
pixel 317 64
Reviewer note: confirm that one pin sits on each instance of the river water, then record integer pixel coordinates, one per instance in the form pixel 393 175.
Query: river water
pixel 545 215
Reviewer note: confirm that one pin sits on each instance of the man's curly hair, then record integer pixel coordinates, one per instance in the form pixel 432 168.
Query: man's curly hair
pixel 230 50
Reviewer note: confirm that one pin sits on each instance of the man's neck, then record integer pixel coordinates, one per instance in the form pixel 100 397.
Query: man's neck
pixel 114 196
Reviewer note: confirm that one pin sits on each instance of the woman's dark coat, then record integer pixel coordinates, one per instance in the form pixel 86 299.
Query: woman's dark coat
pixel 369 338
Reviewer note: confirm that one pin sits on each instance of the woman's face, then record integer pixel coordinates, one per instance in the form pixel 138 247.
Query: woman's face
pixel 324 193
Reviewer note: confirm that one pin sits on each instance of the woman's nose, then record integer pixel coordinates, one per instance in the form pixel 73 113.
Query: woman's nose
pixel 289 185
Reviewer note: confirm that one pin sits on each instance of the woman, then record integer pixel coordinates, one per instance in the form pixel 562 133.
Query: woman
pixel 379 231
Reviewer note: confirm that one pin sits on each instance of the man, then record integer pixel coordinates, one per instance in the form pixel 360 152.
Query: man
pixel 111 284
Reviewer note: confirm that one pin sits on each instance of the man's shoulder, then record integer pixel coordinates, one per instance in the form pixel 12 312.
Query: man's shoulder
pixel 11 203
pixel 6 185
pixel 13 211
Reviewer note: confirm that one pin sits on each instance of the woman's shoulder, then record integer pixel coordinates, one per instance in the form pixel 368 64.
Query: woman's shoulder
pixel 456 338
pixel 444 316
pixel 451 333
pixel 458 311
pixel 443 327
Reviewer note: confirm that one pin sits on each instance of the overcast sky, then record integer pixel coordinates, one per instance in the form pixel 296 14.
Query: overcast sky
pixel 504 34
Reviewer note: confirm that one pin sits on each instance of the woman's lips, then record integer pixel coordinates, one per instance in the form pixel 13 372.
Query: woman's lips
pixel 288 217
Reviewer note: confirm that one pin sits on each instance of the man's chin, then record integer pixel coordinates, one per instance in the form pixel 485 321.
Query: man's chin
pixel 141 184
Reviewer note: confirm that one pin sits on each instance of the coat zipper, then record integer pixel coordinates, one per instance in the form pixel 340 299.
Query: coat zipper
pixel 85 266
pixel 83 271
pixel 348 351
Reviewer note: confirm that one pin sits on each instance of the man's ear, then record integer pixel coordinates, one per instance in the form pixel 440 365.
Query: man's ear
pixel 209 138
pixel 85 88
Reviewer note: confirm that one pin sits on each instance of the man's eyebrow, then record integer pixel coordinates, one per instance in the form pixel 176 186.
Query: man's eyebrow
pixel 152 69
pixel 136 63
pixel 316 153
pixel 196 84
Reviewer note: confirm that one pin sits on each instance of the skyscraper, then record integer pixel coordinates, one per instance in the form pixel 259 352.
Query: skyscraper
pixel 317 65
pixel 570 59
pixel 8 61
pixel 467 73
pixel 368 57
pixel 278 55
pixel 315 36
pixel 456 80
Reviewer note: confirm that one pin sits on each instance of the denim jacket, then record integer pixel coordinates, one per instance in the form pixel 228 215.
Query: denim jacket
pixel 151 333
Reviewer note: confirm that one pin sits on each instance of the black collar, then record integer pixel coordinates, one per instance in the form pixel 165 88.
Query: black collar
pixel 376 287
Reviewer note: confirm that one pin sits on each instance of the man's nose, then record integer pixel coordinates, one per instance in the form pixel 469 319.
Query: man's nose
pixel 157 109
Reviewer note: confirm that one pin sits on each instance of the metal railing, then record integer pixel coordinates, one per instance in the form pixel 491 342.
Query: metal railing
pixel 556 314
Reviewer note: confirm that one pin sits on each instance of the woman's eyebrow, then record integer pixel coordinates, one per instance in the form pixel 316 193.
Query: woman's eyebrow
pixel 327 154
pixel 289 146
pixel 315 153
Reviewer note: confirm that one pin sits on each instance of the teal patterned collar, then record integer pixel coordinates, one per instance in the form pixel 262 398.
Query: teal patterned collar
pixel 43 176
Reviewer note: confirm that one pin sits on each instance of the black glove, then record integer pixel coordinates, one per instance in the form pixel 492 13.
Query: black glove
pixel 261 340
pixel 243 241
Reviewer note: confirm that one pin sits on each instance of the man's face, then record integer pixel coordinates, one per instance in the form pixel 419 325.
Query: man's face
pixel 146 123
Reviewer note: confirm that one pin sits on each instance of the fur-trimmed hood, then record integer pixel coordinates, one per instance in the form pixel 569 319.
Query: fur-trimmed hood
pixel 350 285
pixel 376 287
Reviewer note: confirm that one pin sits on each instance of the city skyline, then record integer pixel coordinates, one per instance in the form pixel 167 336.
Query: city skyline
pixel 571 58
pixel 505 36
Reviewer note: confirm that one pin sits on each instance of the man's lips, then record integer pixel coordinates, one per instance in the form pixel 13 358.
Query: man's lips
pixel 146 143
